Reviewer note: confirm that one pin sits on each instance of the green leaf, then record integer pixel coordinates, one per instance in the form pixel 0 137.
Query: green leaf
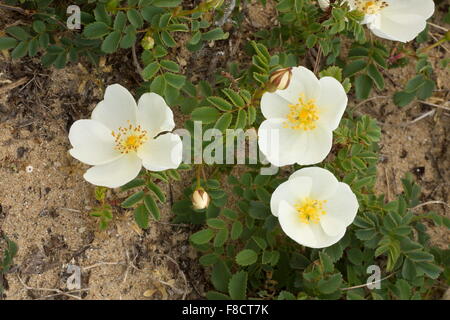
pixel 158 85
pixel 141 216
pixel 178 27
pixel 33 47
pixel 149 12
pixel 246 257
pixel 95 30
pixel 376 76
pixel 156 190
pixel 402 98
pixel 332 71
pixel 230 214
pixel 167 39
pixel 120 21
pixel 220 276
pixel 150 70
pixel 164 20
pixel 101 14
pixel 326 262
pixel 299 261
pixel 166 3
pixel 355 256
pixel 195 38
pixel 311 41
pixel 7 43
pixel 213 184
pixel 237 288
pixel 202 236
pixel 132 184
pixel 234 97
pixel 251 115
pixel 415 83
pixel 220 103
pixel 263 194
pixel 409 270
pixel 205 114
pixel 60 60
pixel 241 120
pixel 221 238
pixel 330 284
pixel 236 230
pixel 214 34
pixel 363 86
pixel 111 42
pixel 286 295
pixel 260 242
pixel 129 38
pixel 354 67
pixel 366 234
pixel 133 199
pixel 170 65
pixel 47 59
pixel 224 122
pixel 20 51
pixel 151 206
pixel 18 32
pixel 430 269
pixel 335 251
pixel 417 256
pixel 135 18
pixel 38 26
pixel 175 80
pixel 404 289
pixel 426 90
pixel 160 51
pixel 214 295
pixel 216 223
pixel 208 259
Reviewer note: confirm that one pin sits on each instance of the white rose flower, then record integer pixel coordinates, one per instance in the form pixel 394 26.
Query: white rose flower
pixel 398 20
pixel 301 119
pixel 313 208
pixel 121 137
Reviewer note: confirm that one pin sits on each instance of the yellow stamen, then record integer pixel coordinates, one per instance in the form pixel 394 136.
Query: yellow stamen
pixel 310 210
pixel 129 138
pixel 302 115
pixel 371 6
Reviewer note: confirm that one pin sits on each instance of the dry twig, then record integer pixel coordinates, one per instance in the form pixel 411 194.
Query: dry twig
pixel 57 291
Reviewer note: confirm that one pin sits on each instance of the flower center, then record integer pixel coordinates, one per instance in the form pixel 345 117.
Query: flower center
pixel 129 138
pixel 371 6
pixel 302 115
pixel 310 210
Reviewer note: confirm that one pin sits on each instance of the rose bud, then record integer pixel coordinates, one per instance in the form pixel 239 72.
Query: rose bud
pixel 280 79
pixel 200 199
pixel 148 42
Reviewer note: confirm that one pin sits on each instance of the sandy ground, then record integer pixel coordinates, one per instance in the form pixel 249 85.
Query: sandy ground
pixel 44 202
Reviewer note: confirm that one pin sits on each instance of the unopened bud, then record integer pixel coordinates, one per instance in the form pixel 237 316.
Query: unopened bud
pixel 280 79
pixel 324 4
pixel 200 199
pixel 147 42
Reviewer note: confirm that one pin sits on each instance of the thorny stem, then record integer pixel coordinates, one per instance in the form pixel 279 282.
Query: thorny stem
pixel 437 43
pixel 17 9
pixel 198 173
pixel 229 7
pixel 367 284
pixel 257 95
